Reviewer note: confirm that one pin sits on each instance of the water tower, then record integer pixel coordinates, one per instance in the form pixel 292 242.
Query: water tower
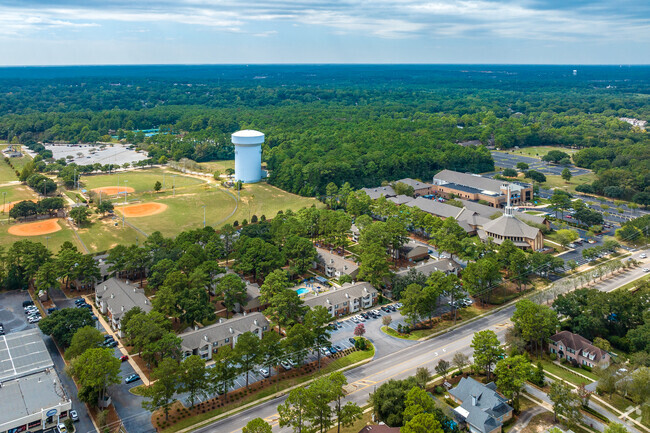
pixel 248 155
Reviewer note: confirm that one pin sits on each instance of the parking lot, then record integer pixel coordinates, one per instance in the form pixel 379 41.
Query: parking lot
pixel 12 314
pixel 509 160
pixel 83 154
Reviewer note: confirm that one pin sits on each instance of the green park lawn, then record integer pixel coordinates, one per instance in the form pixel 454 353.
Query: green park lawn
pixel 140 180
pixel 102 234
pixel 7 173
pixel 54 242
pixel 553 181
pixel 212 166
pixel 539 151
pixel 16 192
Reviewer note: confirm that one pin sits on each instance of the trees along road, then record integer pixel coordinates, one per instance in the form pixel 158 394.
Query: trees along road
pixel 402 363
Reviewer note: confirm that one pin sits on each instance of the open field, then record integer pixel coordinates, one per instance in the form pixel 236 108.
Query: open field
pixel 221 166
pixel 263 199
pixel 6 173
pixel 17 192
pixel 540 151
pixel 54 242
pixel 557 181
pixel 140 180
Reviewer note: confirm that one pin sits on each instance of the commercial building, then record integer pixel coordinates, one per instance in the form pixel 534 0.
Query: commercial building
pixel 115 297
pixel 381 191
pixel 31 395
pixel 248 155
pixel 334 265
pixel 206 341
pixel 475 187
pixel 350 298
pixel 481 408
pixel 419 188
pixel 577 349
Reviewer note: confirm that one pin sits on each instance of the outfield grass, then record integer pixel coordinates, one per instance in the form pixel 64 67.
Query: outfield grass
pixel 54 242
pixel 16 192
pixel 7 173
pixel 140 180
pixel 553 181
pixel 263 199
pixel 102 234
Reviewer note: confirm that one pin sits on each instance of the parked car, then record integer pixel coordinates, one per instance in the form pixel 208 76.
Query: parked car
pixel 61 428
pixel 34 319
pixel 74 416
pixel 79 301
pixel 264 372
pixel 124 358
pixel 333 350
pixel 286 365
pixel 646 270
pixel 365 315
pixel 132 378
pixel 338 348
pixel 27 303
pixel 112 343
pixel 399 305
pixel 352 341
pixel 355 319
pixel 324 351
pixel 643 256
pixel 2 329
pixel 51 310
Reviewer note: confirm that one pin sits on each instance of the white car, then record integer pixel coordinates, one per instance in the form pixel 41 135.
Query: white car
pixel 646 270
pixel 643 256
pixel 264 372
pixel 286 365
pixel 355 319
pixel 61 428
pixel 35 319
pixel 74 416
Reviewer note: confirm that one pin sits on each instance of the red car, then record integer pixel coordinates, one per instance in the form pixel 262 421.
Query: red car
pixel 124 358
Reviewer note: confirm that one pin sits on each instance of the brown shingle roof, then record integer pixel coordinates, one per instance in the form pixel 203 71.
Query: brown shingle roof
pixel 579 344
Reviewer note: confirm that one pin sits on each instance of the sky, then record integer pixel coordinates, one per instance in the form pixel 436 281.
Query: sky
pixel 91 32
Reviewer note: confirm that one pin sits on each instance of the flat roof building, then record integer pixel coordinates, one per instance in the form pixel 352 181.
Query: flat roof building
pixel 475 187
pixel 31 395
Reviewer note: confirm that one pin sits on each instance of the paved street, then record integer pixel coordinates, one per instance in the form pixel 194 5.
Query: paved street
pixel 402 362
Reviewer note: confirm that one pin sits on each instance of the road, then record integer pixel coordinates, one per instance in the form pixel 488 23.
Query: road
pixel 401 363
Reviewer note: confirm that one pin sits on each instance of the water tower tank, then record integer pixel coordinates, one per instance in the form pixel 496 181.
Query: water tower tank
pixel 248 155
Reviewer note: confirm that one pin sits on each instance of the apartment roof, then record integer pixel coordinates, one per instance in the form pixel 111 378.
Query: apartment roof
pixel 481 404
pixel 253 296
pixel 429 267
pixel 434 207
pixel 416 184
pixel 334 297
pixel 375 193
pixel 579 344
pixel 401 199
pixel 341 264
pixel 220 331
pixel 413 249
pixel 120 297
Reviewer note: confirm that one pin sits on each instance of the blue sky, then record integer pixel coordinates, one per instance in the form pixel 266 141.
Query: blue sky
pixel 70 32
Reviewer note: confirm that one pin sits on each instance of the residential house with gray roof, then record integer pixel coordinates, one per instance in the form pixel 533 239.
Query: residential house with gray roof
pixel 400 199
pixel 481 408
pixel 206 341
pixel 334 265
pixel 349 298
pixel 115 297
pixel 375 193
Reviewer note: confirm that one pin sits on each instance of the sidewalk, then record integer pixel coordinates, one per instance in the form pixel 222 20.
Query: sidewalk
pixel 110 331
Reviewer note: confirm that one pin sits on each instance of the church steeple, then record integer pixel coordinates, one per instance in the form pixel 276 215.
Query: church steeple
pixel 509 210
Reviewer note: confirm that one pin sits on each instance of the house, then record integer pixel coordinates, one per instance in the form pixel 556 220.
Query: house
pixel 400 199
pixel 577 349
pixel 481 408
pixel 334 265
pixel 475 187
pixel 206 341
pixel 355 232
pixel 115 297
pixel 350 298
pixel 253 300
pixel 413 251
pixel 419 188
pixel 375 193
pixel 381 428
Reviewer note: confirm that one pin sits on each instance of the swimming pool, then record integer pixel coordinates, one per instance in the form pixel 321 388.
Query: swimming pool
pixel 302 291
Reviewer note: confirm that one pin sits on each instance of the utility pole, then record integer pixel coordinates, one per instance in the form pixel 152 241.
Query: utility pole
pixel 126 192
pixel 4 201
pixel 47 242
pixel 203 216
pixel 174 185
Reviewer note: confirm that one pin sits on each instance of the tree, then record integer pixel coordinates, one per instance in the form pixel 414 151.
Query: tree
pixel 193 377
pixel 79 215
pixel 103 207
pixel 389 400
pixel 317 320
pixel 386 320
pixel 271 351
pixel 63 324
pixel 301 252
pixel 374 265
pixel 423 423
pixel 460 360
pixel 225 369
pixel 584 394
pixel 566 174
pixel 247 351
pixel 166 383
pixel 232 290
pixel 95 370
pixel 512 373
pixel 85 338
pixel 292 411
pixel 565 403
pixel 481 277
pixel 286 308
pixel 536 323
pixel 522 166
pixel 23 209
pixel 299 340
pixel 422 377
pixel 195 305
pixel 157 186
pixel 487 349
pixel 535 175
pixel 359 330
pixel 566 236
pixel 509 172
pixel 258 425
pixel 443 368
pixel 47 277
pixel 418 401
pixel 614 427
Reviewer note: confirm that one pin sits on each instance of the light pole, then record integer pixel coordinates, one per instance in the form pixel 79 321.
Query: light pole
pixel 47 242
pixel 126 192
pixel 163 180
pixel 174 184
pixel 203 216
pixel 4 201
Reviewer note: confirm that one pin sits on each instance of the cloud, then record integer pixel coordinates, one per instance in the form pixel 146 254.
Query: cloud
pixel 390 19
